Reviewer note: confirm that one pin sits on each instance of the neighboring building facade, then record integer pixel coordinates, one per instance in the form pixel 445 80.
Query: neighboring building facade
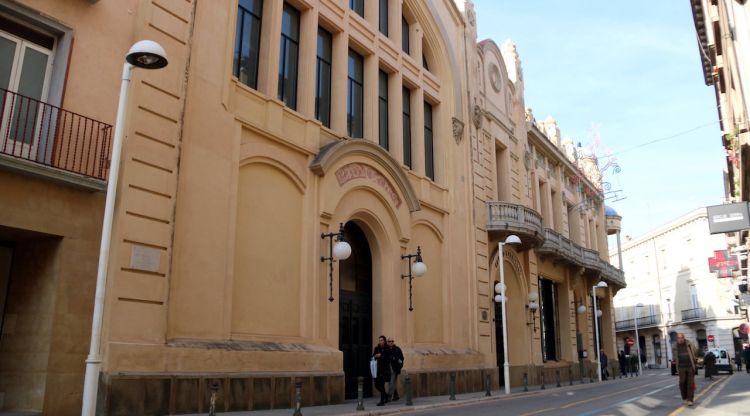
pixel 529 183
pixel 667 271
pixel 273 123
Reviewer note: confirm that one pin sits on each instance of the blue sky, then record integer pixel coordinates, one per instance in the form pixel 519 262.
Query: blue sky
pixel 633 70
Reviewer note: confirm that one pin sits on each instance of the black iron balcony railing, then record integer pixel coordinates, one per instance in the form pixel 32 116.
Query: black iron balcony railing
pixel 693 314
pixel 643 322
pixel 41 133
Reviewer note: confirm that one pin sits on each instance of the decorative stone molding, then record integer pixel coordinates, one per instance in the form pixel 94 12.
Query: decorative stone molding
pixel 495 79
pixel 458 130
pixel 476 116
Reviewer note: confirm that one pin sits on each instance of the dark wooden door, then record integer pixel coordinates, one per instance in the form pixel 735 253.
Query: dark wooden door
pixel 355 338
pixel 499 340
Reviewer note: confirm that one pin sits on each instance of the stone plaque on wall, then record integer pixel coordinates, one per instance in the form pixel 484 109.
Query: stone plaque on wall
pixel 145 258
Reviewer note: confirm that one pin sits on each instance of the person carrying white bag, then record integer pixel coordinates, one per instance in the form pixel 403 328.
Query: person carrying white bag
pixel 382 373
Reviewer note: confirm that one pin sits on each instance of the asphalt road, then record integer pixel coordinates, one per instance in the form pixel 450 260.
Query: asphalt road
pixel 654 393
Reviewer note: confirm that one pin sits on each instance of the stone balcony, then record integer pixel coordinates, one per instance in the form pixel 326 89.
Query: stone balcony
pixel 505 218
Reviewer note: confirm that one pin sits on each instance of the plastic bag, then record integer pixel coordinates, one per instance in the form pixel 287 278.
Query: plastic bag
pixel 374 367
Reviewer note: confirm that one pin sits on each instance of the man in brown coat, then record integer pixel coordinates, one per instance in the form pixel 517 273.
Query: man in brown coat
pixel 685 358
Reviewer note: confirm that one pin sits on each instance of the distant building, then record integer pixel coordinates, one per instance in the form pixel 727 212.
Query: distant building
pixel 667 272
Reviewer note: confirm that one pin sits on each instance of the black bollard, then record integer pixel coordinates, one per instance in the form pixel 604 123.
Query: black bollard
pixel 570 374
pixel 407 388
pixel 360 393
pixel 487 385
pixel 557 376
pixel 525 381
pixel 452 387
pixel 297 399
pixel 542 377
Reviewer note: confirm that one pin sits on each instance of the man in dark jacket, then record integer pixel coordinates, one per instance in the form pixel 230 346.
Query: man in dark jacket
pixel 709 361
pixel 381 353
pixel 397 362
pixel 685 358
pixel 746 357
pixel 623 363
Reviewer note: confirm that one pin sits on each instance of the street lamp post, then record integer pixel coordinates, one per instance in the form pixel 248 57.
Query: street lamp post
pixel 637 339
pixel 500 297
pixel 145 54
pixel 601 284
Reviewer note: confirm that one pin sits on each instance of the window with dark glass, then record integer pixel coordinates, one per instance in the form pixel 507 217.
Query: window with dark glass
pixel 424 63
pixel 383 17
pixel 429 157
pixel 358 6
pixel 548 319
pixel 383 109
pixel 404 35
pixel 288 56
pixel 247 42
pixel 355 97
pixel 323 85
pixel 406 105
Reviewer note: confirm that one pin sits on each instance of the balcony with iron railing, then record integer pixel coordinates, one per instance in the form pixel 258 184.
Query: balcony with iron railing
pixel 507 218
pixel 643 322
pixel 560 248
pixel 45 140
pixel 693 314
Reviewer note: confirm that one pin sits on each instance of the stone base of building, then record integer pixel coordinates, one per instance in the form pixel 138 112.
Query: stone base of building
pixel 552 373
pixel 144 394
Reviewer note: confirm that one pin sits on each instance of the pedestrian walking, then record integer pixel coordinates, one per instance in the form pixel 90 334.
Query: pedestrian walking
pixel 738 359
pixel 397 363
pixel 603 361
pixel 685 357
pixel 623 363
pixel 709 361
pixel 746 357
pixel 382 356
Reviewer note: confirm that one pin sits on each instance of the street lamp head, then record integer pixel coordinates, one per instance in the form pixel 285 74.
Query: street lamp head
pixel 533 306
pixel 512 239
pixel 599 313
pixel 601 284
pixel 342 250
pixel 500 288
pixel 147 54
pixel 581 308
pixel 533 296
pixel 499 298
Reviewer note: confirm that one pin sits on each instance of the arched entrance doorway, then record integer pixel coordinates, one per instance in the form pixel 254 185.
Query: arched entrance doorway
pixel 355 311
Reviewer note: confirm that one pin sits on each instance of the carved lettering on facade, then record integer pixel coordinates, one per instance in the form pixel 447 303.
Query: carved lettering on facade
pixel 361 171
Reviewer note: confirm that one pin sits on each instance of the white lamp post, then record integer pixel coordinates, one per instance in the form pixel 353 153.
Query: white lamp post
pixel 638 340
pixel 145 54
pixel 500 289
pixel 596 327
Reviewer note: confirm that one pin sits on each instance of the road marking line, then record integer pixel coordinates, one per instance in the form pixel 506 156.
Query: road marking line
pixel 703 391
pixel 628 400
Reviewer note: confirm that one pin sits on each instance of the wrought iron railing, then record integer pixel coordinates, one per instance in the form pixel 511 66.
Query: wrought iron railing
pixel 693 314
pixel 643 322
pixel 42 133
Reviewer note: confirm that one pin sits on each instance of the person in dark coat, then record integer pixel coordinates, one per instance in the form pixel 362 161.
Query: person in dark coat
pixel 397 362
pixel 623 363
pixel 746 357
pixel 604 361
pixel 383 356
pixel 738 359
pixel 709 361
pixel 685 358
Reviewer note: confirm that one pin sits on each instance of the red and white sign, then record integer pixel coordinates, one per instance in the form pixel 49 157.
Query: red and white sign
pixel 631 342
pixel 710 338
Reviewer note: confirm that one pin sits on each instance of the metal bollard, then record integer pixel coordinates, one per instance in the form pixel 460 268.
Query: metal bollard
pixel 580 370
pixel 542 378
pixel 452 387
pixel 487 385
pixel 212 404
pixel 360 393
pixel 407 388
pixel 297 399
pixel 570 374
pixel 557 376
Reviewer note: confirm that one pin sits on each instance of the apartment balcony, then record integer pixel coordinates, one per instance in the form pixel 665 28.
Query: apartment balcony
pixel 694 314
pixel 43 140
pixel 562 249
pixel 643 322
pixel 505 218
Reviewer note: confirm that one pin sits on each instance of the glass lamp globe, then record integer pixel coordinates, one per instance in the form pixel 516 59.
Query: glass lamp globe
pixel 418 268
pixel 581 308
pixel 599 314
pixel 499 298
pixel 500 288
pixel 342 250
pixel 533 296
pixel 533 306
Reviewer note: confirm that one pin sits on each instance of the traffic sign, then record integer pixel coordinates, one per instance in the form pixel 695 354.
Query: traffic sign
pixel 710 338
pixel 631 342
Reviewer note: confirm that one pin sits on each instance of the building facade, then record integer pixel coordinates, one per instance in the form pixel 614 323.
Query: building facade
pixel 671 289
pixel 275 125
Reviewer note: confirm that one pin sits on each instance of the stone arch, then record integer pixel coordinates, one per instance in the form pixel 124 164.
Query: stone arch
pixel 333 152
pixel 278 165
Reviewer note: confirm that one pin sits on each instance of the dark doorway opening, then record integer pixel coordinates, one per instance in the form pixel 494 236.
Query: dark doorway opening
pixel 499 341
pixel 355 312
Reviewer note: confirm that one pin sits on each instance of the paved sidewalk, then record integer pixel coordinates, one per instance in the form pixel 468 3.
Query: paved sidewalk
pixel 349 407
